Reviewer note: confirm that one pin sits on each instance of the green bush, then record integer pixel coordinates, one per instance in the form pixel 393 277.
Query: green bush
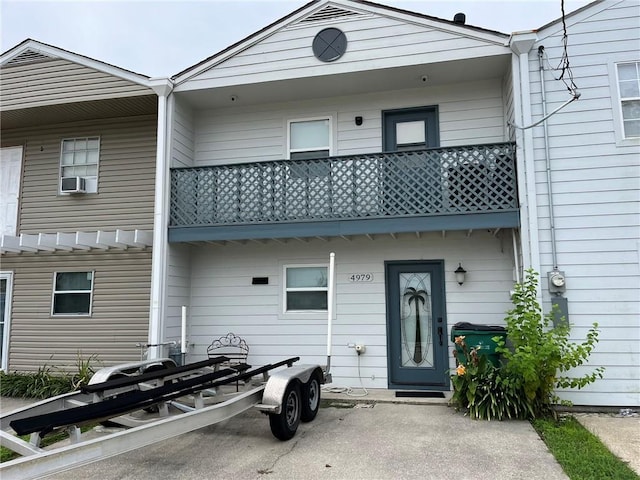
pixel 47 381
pixel 535 359
pixel 538 355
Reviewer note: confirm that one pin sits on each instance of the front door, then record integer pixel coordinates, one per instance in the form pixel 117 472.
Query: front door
pixel 416 325
pixel 6 279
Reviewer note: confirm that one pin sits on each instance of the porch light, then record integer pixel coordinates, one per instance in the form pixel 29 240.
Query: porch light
pixel 460 274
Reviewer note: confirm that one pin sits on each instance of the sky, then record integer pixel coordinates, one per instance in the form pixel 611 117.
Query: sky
pixel 160 38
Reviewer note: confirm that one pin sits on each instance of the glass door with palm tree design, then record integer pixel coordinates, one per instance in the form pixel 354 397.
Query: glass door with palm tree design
pixel 416 325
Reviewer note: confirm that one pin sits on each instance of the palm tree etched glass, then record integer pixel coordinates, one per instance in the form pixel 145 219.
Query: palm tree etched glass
pixel 415 319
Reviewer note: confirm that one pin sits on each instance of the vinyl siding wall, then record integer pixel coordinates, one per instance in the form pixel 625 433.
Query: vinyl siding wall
pixel 125 180
pixel 469 113
pixel 390 41
pixel 120 313
pixel 222 298
pixel 60 81
pixel 182 138
pixel 595 195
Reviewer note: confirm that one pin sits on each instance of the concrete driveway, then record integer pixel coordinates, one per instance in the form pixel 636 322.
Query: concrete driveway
pixel 386 441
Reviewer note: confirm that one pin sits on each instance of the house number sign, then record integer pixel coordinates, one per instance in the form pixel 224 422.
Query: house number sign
pixel 361 277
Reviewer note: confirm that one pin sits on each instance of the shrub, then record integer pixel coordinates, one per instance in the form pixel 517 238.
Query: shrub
pixel 482 390
pixel 46 382
pixel 539 355
pixel 535 360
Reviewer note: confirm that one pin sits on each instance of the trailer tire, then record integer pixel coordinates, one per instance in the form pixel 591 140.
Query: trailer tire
pixel 285 424
pixel 311 397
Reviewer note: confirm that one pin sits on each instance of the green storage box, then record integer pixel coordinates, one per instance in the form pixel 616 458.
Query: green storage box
pixel 478 336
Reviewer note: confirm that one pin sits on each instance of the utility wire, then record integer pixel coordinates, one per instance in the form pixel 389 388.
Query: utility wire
pixel 564 65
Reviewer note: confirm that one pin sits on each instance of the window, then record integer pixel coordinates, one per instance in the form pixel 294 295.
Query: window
pixel 72 292
pixel 306 288
pixel 79 158
pixel 309 138
pixel 629 91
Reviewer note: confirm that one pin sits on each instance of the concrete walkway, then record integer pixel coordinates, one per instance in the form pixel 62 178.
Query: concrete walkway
pixel 382 438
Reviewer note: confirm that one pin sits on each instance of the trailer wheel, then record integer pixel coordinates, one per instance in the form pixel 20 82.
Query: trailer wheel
pixel 285 424
pixel 311 398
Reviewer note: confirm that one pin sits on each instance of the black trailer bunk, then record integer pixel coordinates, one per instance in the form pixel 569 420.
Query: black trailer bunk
pixel 287 395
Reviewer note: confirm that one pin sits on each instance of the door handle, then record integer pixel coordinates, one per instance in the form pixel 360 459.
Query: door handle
pixel 440 334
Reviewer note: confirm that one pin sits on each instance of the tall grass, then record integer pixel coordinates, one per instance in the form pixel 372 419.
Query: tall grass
pixel 581 454
pixel 47 381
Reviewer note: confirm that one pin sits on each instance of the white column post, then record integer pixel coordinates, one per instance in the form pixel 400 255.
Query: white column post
pixel 521 45
pixel 162 87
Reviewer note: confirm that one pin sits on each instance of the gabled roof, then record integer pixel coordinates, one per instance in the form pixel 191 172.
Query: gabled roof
pixel 33 51
pixel 327 9
pixel 569 15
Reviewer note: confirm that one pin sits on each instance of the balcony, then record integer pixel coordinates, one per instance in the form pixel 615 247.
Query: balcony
pixel 449 188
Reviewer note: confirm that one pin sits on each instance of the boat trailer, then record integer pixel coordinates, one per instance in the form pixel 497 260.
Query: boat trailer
pixel 154 400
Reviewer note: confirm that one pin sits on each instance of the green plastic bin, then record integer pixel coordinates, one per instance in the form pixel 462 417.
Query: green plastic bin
pixel 478 336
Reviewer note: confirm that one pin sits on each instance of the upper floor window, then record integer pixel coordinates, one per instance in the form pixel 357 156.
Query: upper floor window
pixel 309 138
pixel 72 292
pixel 629 89
pixel 306 288
pixel 79 159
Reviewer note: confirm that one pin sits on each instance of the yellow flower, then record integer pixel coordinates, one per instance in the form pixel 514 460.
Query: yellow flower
pixel 459 340
pixel 461 370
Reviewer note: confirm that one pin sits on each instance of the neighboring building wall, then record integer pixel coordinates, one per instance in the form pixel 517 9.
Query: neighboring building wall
pixel 596 198
pixel 469 113
pixel 60 81
pixel 223 299
pixel 120 309
pixel 126 177
pixel 125 198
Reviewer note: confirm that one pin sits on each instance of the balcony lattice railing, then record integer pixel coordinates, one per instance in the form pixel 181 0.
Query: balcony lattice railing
pixel 439 181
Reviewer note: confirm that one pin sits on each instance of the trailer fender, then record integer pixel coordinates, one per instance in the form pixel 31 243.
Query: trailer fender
pixel 274 391
pixel 128 369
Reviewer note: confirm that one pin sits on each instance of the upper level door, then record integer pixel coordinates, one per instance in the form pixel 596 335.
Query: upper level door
pixel 10 175
pixel 410 129
pixel 409 180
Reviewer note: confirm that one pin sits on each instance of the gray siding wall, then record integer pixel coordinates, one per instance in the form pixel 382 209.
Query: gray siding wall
pixel 125 181
pixel 596 197
pixel 469 113
pixel 60 81
pixel 222 298
pixel 119 318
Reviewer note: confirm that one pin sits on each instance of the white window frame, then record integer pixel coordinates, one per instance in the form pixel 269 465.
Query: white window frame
pixel 330 147
pixel 56 292
pixel 285 290
pixel 616 100
pixel 91 181
pixel 8 276
pixel 626 99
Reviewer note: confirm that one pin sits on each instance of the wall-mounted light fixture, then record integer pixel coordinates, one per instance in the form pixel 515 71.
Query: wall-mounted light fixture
pixel 358 120
pixel 460 274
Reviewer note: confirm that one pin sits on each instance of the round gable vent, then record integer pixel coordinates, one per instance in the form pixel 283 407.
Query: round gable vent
pixel 329 44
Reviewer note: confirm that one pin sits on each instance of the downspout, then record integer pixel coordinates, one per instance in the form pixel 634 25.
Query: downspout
pixel 162 87
pixel 521 44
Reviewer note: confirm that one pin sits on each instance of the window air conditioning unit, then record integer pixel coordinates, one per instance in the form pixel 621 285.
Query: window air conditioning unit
pixel 73 185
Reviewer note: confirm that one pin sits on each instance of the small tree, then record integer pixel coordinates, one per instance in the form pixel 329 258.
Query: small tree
pixel 538 355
